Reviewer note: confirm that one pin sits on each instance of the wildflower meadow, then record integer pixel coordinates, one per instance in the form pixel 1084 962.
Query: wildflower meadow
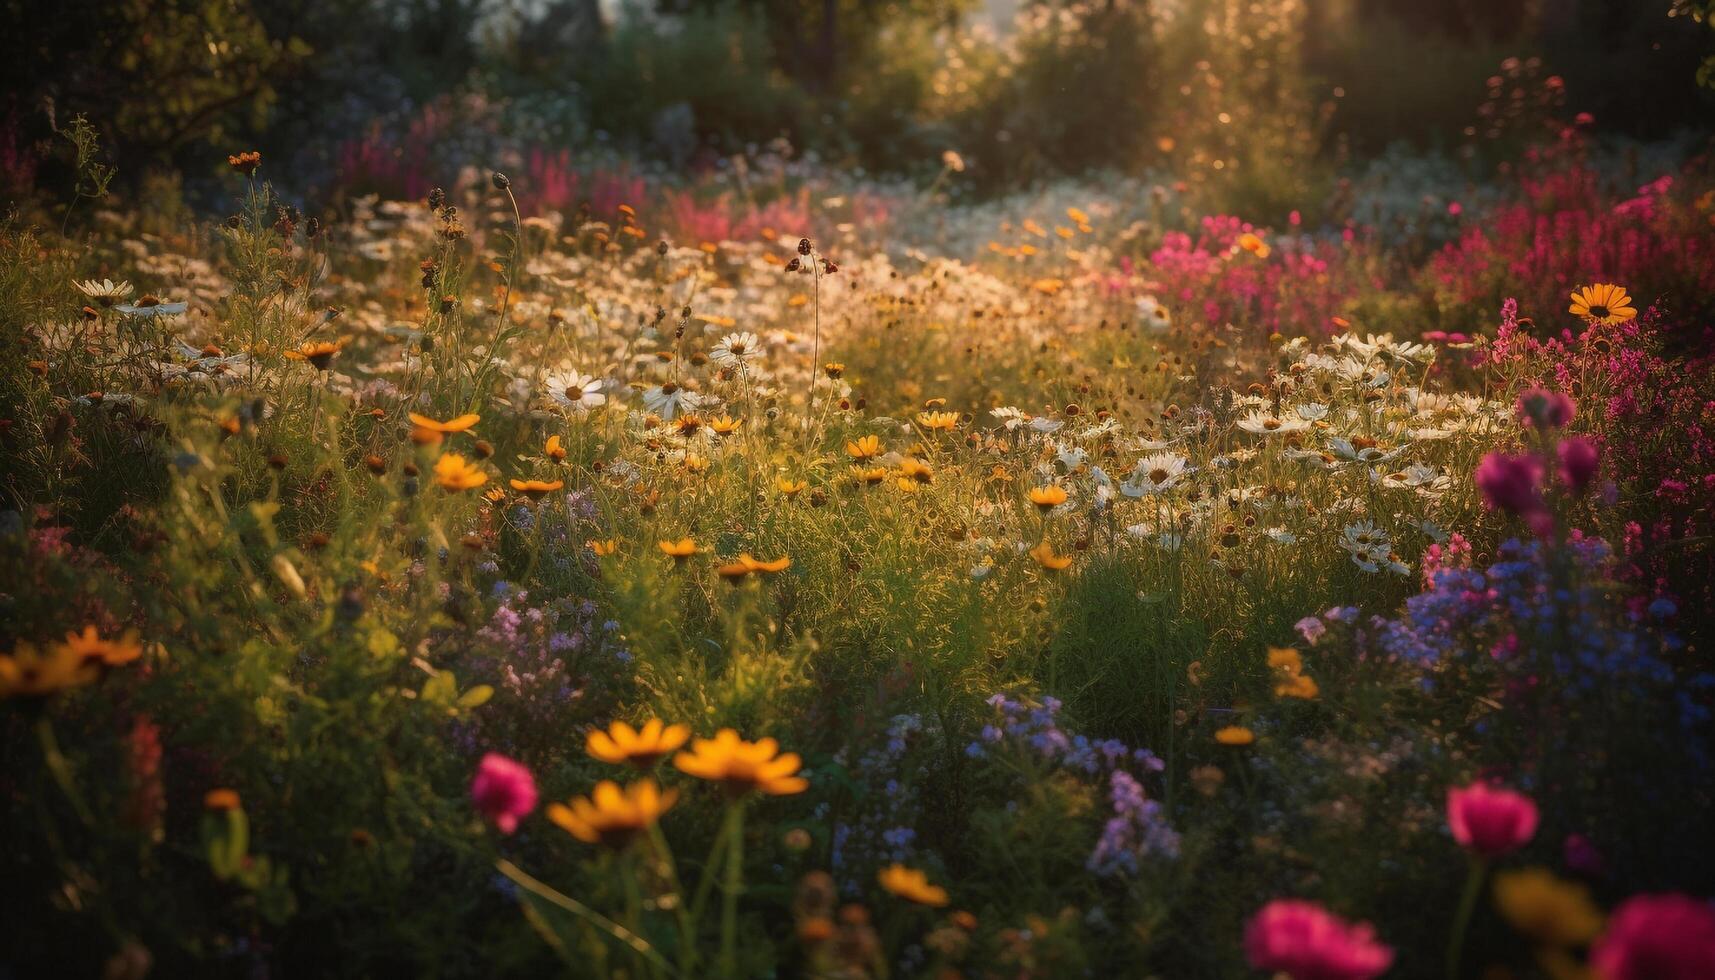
pixel 1095 489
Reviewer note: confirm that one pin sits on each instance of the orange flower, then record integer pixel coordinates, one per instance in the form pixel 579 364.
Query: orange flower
pixel 1254 245
pixel 90 646
pixel 746 564
pixel 1235 735
pixel 725 425
pixel 1603 302
pixel 912 885
pixel 938 421
pixel 28 673
pixel 613 817
pixel 554 450
pixel 454 473
pixel 678 550
pixel 864 447
pixel 320 355
pixel 461 424
pixel 1045 556
pixel 536 489
pixel 1049 497
pixel 640 748
pixel 221 799
pixel 743 767
pixel 602 548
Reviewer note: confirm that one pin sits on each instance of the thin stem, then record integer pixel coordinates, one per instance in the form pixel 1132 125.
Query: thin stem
pixel 730 890
pixel 1462 918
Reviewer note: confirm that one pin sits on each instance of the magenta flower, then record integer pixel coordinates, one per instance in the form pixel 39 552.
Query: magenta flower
pixel 1545 409
pixel 503 790
pixel 1657 937
pixel 1490 820
pixel 1579 461
pixel 1511 483
pixel 1307 942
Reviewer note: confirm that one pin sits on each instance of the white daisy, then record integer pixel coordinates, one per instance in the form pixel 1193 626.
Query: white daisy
pixel 736 349
pixel 106 292
pixel 1263 424
pixel 1154 474
pixel 576 391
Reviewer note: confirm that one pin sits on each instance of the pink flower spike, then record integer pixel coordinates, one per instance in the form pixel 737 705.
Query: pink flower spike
pixel 1307 942
pixel 1490 820
pixel 503 790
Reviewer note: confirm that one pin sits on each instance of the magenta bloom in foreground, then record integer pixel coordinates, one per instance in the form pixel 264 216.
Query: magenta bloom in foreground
pixel 1307 942
pixel 1490 820
pixel 503 790
pixel 1657 937
pixel 1579 461
pixel 1511 483
pixel 1545 409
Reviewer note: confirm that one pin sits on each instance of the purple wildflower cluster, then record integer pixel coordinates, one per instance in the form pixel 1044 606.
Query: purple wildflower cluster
pixel 879 830
pixel 1138 828
pixel 540 658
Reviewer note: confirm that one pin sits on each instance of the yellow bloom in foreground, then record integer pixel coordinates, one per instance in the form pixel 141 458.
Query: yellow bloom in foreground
pixel 725 425
pixel 943 421
pixel 455 473
pixel 611 816
pixel 27 673
pixel 912 885
pixel 537 489
pixel 870 476
pixel 1045 556
pixel 1603 302
pixel 90 646
pixel 788 486
pixel 461 424
pixel 747 564
pixel 641 748
pixel 678 550
pixel 866 447
pixel 602 547
pixel 1048 497
pixel 741 766
pixel 1546 908
pixel 1235 735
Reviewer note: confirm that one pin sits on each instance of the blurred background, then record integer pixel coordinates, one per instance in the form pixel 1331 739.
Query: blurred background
pixel 1263 105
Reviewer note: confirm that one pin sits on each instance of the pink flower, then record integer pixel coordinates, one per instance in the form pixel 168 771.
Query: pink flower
pixel 1579 461
pixel 1490 820
pixel 1546 409
pixel 1311 629
pixel 1307 942
pixel 503 790
pixel 1657 937
pixel 1511 483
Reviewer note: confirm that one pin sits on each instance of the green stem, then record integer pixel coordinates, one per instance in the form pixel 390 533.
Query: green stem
pixel 733 886
pixel 1462 918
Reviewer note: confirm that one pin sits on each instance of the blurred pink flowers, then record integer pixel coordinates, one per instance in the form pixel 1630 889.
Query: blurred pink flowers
pixel 503 790
pixel 1545 409
pixel 1511 482
pixel 1489 820
pixel 1579 461
pixel 1657 937
pixel 1307 942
